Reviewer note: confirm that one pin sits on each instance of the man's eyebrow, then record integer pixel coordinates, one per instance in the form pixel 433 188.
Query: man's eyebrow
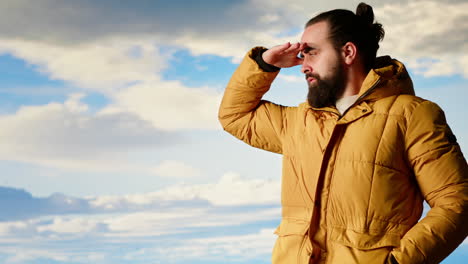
pixel 308 48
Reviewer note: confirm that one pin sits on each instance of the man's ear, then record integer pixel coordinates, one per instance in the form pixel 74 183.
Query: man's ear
pixel 349 53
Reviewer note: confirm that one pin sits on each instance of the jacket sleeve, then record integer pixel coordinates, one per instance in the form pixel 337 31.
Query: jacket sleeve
pixel 441 172
pixel 244 114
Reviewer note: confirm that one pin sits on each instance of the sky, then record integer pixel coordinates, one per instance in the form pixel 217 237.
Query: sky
pixel 110 147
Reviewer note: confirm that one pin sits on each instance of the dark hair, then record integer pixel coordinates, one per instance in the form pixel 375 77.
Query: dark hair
pixel 359 28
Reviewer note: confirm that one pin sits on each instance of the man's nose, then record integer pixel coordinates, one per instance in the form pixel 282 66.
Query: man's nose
pixel 305 68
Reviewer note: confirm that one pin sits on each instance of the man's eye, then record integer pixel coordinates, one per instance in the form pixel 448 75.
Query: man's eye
pixel 303 53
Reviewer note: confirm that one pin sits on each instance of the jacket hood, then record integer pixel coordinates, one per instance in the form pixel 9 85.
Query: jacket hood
pixel 388 77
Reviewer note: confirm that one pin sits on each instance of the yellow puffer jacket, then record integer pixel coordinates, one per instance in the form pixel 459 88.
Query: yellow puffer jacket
pixel 353 186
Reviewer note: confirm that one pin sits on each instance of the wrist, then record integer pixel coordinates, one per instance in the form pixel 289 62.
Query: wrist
pixel 263 64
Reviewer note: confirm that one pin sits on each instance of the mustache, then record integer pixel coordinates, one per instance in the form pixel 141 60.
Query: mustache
pixel 315 76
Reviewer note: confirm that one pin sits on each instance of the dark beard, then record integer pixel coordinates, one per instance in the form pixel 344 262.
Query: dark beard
pixel 325 92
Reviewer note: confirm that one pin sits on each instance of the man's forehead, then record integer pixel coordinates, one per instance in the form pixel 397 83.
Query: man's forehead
pixel 315 33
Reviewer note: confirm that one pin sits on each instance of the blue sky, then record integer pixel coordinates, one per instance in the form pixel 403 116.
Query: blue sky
pixel 110 147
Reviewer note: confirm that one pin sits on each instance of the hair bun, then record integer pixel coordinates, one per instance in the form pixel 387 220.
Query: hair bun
pixel 365 12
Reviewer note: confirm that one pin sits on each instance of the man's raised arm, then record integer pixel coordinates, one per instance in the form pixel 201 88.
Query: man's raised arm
pixel 243 113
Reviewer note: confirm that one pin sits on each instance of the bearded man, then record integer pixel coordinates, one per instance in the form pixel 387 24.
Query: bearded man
pixel 359 157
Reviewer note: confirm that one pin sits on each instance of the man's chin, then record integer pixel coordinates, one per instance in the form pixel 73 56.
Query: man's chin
pixel 319 99
pixel 317 105
pixel 316 102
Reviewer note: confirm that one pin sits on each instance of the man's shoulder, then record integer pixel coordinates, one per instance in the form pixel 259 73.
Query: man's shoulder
pixel 411 108
pixel 405 104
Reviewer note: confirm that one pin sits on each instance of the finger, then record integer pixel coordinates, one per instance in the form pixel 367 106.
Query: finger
pixel 303 45
pixel 282 47
pixel 293 47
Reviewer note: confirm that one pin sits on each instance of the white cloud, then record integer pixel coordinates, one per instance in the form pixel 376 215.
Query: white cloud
pixel 17 227
pixel 143 223
pixel 170 105
pixel 248 246
pixel 74 105
pixel 230 202
pixel 22 255
pixel 66 135
pixel 102 65
pixel 431 37
pixel 234 44
pixel 52 228
pixel 70 226
pixel 242 247
pixel 128 72
pixel 177 169
pixel 230 190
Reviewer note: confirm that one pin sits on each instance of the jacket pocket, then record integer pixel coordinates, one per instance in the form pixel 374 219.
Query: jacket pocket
pixel 293 244
pixel 363 240
pixel 347 246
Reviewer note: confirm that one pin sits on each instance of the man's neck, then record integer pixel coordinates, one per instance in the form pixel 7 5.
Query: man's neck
pixel 354 78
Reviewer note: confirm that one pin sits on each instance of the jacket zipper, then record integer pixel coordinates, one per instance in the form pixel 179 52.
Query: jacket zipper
pixel 361 97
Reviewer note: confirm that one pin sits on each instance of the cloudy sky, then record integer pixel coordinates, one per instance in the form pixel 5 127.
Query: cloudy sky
pixel 110 149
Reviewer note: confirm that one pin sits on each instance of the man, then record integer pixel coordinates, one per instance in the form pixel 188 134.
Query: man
pixel 359 157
